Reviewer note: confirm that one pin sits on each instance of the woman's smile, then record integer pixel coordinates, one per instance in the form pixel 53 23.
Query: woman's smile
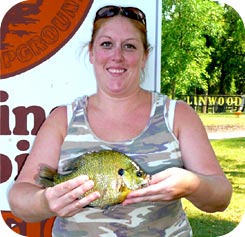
pixel 116 71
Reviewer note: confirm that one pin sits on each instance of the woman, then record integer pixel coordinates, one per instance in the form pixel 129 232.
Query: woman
pixel 166 138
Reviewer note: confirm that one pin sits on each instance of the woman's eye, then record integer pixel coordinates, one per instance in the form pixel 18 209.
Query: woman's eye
pixel 129 46
pixel 106 44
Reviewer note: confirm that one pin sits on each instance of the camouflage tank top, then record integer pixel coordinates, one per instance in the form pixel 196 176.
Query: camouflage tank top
pixel 155 149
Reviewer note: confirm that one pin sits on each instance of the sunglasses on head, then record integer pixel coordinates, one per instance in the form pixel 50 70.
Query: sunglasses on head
pixel 130 12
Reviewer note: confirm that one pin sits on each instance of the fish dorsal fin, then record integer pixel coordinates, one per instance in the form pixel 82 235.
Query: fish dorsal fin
pixel 72 165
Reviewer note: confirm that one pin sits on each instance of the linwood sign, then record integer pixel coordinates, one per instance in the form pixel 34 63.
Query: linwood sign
pixel 215 101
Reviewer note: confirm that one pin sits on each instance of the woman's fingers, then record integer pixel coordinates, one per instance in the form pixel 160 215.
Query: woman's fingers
pixel 67 186
pixel 77 205
pixel 68 198
pixel 167 185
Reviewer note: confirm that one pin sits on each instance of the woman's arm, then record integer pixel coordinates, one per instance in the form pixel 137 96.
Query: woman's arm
pixel 26 198
pixel 212 190
pixel 202 180
pixel 31 202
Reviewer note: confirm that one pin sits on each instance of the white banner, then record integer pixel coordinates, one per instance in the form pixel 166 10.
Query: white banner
pixel 44 64
pixel 49 68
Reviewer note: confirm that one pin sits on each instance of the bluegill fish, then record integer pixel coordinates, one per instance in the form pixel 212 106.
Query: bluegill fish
pixel 114 174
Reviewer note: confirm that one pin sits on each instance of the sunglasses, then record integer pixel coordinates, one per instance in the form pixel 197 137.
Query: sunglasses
pixel 130 12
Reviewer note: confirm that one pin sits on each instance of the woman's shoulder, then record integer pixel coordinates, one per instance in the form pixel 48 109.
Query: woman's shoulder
pixel 186 119
pixel 183 109
pixel 56 122
pixel 58 112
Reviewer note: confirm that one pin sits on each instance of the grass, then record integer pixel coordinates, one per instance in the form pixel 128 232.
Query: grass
pixel 224 119
pixel 230 153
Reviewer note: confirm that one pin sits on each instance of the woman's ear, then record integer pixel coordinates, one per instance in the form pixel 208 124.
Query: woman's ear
pixel 91 55
pixel 144 60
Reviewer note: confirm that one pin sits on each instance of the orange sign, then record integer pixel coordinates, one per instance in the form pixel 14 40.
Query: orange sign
pixel 40 229
pixel 34 30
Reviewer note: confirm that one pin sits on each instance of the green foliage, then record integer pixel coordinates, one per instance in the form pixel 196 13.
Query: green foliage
pixel 196 53
pixel 229 56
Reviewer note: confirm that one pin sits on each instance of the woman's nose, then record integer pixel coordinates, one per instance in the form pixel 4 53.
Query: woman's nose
pixel 118 54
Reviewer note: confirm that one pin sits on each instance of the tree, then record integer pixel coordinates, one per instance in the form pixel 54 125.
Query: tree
pixel 194 33
pixel 228 59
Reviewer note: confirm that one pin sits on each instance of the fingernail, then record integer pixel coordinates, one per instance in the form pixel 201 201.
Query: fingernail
pixel 84 177
pixel 97 195
pixel 90 183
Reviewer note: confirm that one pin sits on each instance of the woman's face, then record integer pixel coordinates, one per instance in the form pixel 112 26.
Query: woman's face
pixel 118 56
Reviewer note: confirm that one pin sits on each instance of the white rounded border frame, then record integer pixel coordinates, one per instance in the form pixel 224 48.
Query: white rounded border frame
pixel 239 6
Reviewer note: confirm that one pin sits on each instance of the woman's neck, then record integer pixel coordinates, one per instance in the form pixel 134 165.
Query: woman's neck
pixel 126 104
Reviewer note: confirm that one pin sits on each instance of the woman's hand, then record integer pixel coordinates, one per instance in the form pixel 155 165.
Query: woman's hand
pixel 171 184
pixel 65 200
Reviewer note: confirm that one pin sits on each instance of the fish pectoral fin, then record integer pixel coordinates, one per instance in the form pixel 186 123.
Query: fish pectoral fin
pixel 124 191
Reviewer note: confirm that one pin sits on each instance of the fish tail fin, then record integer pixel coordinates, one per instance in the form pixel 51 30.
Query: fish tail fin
pixel 46 177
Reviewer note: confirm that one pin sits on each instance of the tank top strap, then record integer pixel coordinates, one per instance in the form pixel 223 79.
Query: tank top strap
pixel 169 114
pixel 75 108
pixel 167 111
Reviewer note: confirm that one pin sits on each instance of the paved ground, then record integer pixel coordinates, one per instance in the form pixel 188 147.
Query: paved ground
pixel 226 134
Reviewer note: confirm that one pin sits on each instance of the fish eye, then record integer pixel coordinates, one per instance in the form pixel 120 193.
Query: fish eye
pixel 139 173
pixel 121 172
